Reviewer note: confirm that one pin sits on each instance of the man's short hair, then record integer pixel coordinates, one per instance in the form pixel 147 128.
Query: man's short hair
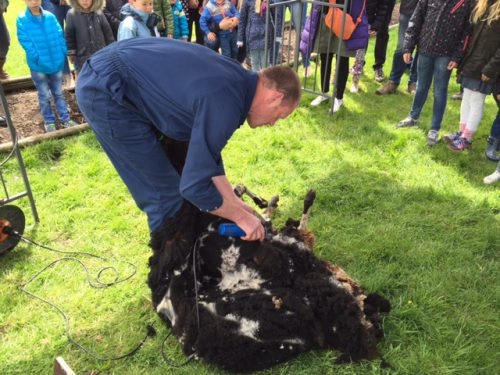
pixel 285 80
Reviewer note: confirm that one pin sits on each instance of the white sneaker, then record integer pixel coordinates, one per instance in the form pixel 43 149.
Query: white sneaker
pixel 319 99
pixel 337 104
pixel 492 178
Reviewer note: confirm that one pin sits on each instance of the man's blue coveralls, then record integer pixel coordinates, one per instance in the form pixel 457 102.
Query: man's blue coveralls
pixel 188 93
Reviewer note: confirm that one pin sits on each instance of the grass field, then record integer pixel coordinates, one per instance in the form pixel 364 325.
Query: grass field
pixel 413 223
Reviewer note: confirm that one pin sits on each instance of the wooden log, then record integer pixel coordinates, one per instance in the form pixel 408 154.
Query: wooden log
pixel 42 137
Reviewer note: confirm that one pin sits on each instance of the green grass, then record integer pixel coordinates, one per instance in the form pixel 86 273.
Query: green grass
pixel 16 58
pixel 411 222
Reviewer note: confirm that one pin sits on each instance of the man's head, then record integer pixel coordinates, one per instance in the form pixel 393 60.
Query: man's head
pixel 143 5
pixel 277 96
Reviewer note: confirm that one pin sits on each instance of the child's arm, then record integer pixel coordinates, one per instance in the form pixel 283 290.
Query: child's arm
pixel 413 31
pixel 235 15
pixel 204 20
pixel 127 29
pixel 492 69
pixel 70 35
pixel 169 20
pixel 243 25
pixel 184 24
pixel 106 29
pixel 26 42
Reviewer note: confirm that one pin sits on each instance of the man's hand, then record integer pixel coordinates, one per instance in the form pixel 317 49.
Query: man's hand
pixel 211 37
pixel 234 209
pixel 452 65
pixel 484 77
pixel 407 58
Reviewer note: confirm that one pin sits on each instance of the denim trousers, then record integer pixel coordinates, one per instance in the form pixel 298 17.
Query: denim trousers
pixel 47 85
pixel 398 64
pixel 297 11
pixel 60 12
pixel 495 127
pixel 257 57
pixel 228 44
pixel 429 68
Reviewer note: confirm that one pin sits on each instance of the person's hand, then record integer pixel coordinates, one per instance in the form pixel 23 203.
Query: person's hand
pixel 484 77
pixel 407 58
pixel 225 24
pixel 234 22
pixel 211 37
pixel 239 44
pixel 253 228
pixel 452 65
pixel 169 36
pixel 372 33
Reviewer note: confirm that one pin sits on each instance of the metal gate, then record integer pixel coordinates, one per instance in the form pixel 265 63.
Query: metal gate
pixel 282 40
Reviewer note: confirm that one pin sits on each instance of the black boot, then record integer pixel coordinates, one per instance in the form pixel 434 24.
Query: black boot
pixel 491 150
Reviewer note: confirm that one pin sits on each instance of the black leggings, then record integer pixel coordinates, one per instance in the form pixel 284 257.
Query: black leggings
pixel 326 71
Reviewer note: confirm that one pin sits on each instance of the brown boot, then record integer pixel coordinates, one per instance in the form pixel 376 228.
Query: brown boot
pixel 3 74
pixel 412 87
pixel 389 88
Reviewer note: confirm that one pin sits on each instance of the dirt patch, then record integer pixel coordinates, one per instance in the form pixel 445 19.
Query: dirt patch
pixel 26 116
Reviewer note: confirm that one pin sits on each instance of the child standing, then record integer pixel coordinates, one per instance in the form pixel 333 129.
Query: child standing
pixel 138 20
pixel 87 30
pixel 252 30
pixel 180 21
pixel 42 38
pixel 166 24
pixel 215 11
pixel 479 71
pixel 440 30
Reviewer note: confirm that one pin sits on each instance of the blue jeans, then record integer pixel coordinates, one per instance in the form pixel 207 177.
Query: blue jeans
pixel 257 57
pixel 398 64
pixel 295 10
pixel 47 84
pixel 495 127
pixel 430 67
pixel 228 44
pixel 214 46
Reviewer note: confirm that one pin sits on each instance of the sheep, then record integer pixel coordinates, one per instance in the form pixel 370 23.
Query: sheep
pixel 246 306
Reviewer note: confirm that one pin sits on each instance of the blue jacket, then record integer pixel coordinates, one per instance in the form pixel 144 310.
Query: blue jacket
pixel 43 41
pixel 252 26
pixel 133 23
pixel 164 82
pixel 214 13
pixel 180 21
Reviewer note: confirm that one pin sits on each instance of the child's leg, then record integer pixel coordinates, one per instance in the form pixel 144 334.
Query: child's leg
pixel 465 110
pixel 359 63
pixel 257 59
pixel 476 109
pixel 233 38
pixel 425 69
pixel 42 87
pixel 441 80
pixel 55 85
pixel 225 45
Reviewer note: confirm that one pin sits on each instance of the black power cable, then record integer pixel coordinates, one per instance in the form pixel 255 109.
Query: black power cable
pixel 94 283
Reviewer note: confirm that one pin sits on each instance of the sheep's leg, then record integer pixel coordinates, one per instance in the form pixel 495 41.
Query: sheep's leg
pixel 240 190
pixel 308 202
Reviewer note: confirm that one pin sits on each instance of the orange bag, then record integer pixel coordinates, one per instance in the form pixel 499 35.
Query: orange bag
pixel 333 21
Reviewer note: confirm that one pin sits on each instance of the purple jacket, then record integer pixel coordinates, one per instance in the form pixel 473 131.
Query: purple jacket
pixel 358 40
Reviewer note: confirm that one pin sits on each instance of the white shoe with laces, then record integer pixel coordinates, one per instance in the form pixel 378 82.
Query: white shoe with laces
pixel 319 99
pixel 337 104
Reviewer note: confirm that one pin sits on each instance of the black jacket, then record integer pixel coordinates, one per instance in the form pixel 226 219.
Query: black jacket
pixel 112 12
pixel 379 13
pixel 407 7
pixel 439 28
pixel 86 32
pixel 483 52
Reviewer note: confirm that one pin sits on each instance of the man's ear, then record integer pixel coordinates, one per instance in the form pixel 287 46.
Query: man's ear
pixel 276 97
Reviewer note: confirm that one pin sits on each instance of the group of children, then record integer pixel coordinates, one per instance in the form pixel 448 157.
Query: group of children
pixel 463 34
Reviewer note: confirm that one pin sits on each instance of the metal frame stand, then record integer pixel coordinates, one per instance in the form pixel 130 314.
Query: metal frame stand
pixel 15 150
